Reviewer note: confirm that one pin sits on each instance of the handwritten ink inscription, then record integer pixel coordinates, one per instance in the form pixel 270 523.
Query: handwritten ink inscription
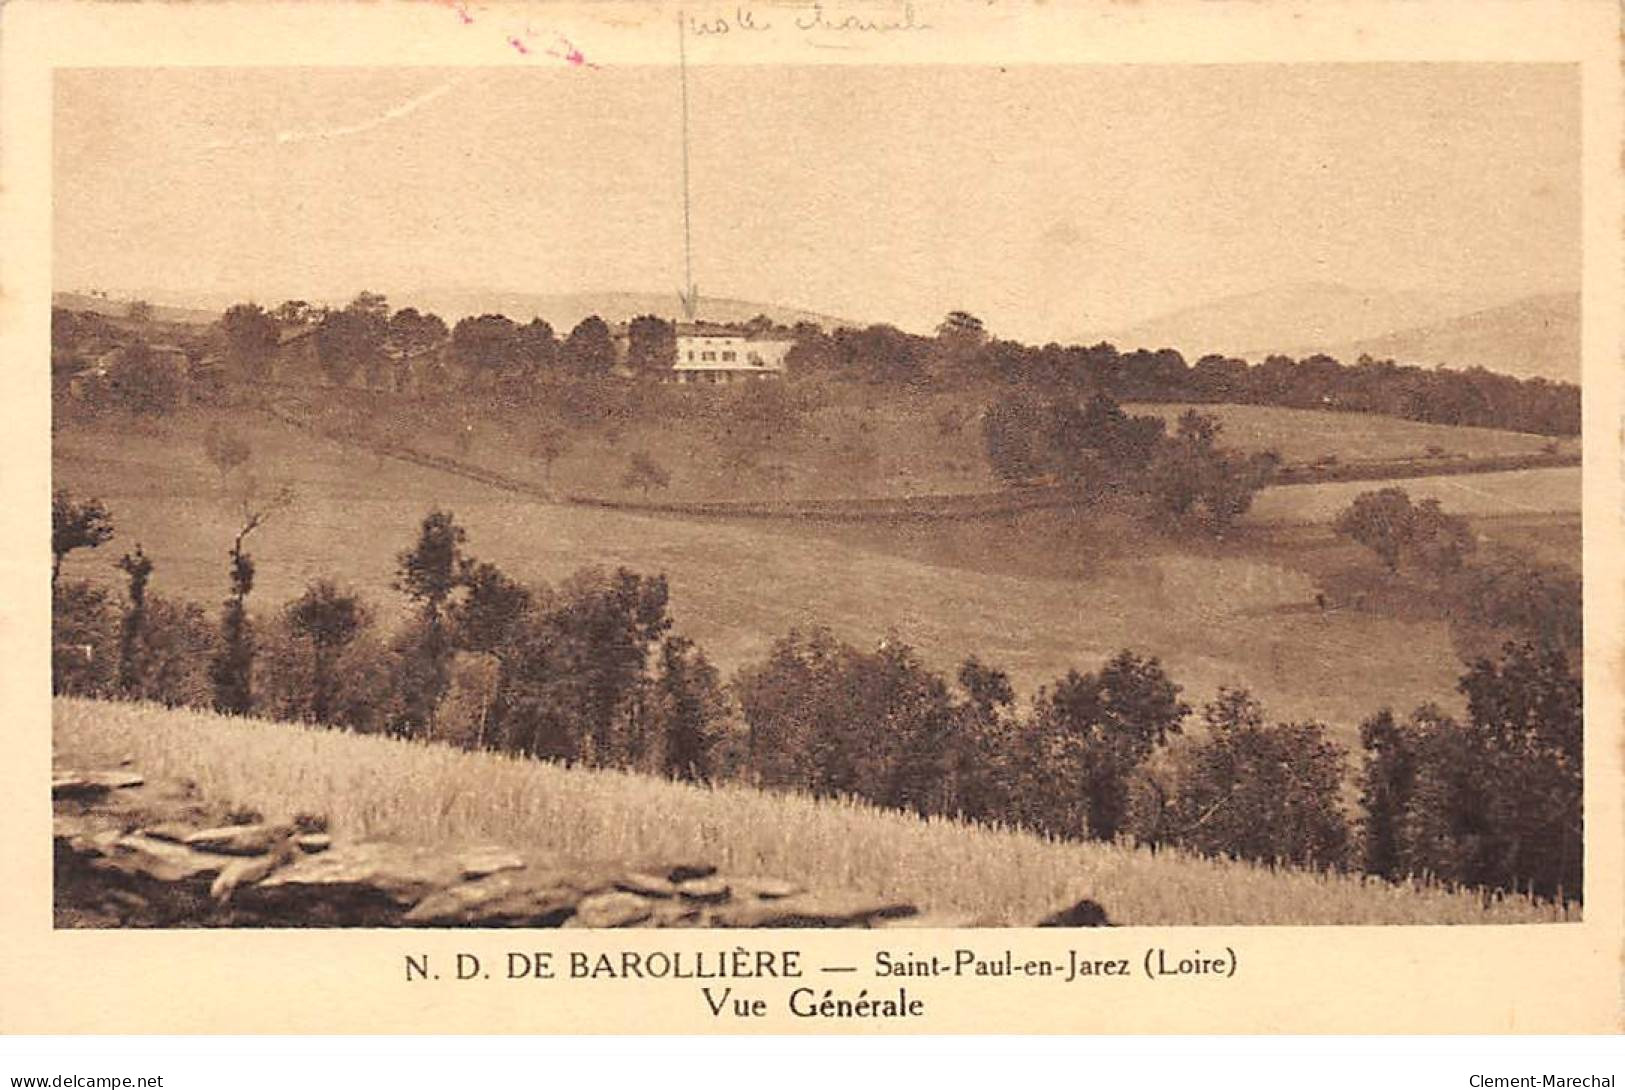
pixel 744 19
pixel 816 17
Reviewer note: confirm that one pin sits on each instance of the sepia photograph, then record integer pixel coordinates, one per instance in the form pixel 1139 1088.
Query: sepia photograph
pixel 1070 496
pixel 822 516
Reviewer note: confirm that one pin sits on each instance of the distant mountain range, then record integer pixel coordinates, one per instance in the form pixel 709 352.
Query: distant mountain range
pixel 1537 336
pixel 560 310
pixel 120 308
pixel 563 310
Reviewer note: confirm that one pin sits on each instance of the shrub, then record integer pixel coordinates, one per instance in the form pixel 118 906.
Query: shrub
pixel 829 719
pixel 1390 525
pixel 1266 793
pixel 1097 730
pixel 76 525
pixel 1494 802
pixel 84 640
pixel 173 651
pixel 147 383
pixel 361 697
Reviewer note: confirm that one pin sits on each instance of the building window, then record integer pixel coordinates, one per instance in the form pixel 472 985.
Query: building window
pixel 690 355
pixel 729 357
pixel 708 355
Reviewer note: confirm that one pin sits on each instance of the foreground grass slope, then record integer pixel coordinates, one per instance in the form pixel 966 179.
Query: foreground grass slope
pixel 371 787
pixel 1036 595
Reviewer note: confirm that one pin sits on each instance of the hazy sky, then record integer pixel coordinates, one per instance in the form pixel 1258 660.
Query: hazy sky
pixel 1048 200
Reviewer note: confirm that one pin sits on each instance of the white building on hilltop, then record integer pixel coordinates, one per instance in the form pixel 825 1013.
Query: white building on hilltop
pixel 712 354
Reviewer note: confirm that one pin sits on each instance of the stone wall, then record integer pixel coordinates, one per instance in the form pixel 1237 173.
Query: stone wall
pixel 133 853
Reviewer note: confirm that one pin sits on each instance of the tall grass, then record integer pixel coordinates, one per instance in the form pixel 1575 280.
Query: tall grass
pixel 371 787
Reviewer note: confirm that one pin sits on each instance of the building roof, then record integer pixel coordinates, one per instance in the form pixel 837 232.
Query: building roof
pixel 686 329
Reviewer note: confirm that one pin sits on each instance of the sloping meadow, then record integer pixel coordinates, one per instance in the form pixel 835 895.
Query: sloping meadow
pixel 371 787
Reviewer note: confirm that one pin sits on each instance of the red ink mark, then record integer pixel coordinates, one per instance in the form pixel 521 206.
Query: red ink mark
pixel 519 45
pixel 461 9
pixel 570 55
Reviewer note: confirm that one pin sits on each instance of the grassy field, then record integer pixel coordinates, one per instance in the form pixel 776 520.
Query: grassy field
pixel 1307 435
pixel 1531 493
pixel 859 442
pixel 1036 595
pixel 848 444
pixel 373 787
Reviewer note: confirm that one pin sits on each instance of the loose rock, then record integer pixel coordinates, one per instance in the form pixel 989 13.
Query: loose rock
pixel 684 872
pixel 361 881
pixel 647 885
pixel 71 785
pixel 175 832
pixel 509 899
pixel 132 854
pixel 241 872
pixel 704 890
pixel 614 909
pixel 158 860
pixel 239 839
pixel 479 862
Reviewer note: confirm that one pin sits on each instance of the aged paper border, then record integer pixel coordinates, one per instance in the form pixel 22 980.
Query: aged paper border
pixel 1554 978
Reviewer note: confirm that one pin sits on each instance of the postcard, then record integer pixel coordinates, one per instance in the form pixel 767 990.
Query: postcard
pixel 812 516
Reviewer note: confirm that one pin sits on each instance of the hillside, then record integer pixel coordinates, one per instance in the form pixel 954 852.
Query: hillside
pixel 1081 589
pixel 120 307
pixel 377 788
pixel 560 310
pixel 1537 337
pixel 850 443
pixel 1302 436
pixel 1283 319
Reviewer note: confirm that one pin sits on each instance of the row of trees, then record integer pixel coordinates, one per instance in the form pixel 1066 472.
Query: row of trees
pixel 962 353
pixel 495 348
pixel 1492 801
pixel 588 671
pixel 1187 477
pixel 366 337
pixel 591 672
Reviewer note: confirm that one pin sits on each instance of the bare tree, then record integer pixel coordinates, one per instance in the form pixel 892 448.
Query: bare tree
pixel 232 670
